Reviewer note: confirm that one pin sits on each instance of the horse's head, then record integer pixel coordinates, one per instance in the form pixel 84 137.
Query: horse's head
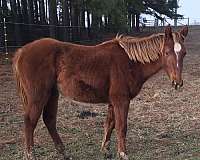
pixel 173 54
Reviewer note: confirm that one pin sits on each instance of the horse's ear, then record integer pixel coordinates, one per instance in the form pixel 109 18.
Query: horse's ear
pixel 184 31
pixel 168 32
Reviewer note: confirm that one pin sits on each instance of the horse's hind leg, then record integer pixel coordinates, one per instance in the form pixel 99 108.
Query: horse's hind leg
pixel 49 118
pixel 108 127
pixel 32 114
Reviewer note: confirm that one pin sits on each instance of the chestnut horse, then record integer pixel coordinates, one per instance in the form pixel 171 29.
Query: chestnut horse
pixel 112 72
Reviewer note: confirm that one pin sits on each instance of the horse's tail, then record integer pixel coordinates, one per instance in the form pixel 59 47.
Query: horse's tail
pixel 18 76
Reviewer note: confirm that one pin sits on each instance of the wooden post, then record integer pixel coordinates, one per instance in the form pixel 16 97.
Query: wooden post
pixel 188 21
pixel 175 19
pixel 5 37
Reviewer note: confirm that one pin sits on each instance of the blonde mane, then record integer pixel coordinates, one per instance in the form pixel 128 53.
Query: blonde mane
pixel 143 50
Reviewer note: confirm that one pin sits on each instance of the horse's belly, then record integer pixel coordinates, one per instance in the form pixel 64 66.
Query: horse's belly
pixel 82 92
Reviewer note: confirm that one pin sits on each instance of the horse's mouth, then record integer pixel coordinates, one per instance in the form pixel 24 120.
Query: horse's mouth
pixel 176 85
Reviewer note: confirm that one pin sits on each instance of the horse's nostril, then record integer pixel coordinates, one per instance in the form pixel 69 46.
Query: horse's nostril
pixel 174 83
pixel 177 85
pixel 181 83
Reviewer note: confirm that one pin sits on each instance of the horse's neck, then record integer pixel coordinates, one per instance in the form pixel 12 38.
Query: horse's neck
pixel 149 69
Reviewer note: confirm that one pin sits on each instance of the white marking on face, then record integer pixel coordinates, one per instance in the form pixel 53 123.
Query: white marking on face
pixel 177 49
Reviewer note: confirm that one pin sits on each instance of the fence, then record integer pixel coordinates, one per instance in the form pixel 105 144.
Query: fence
pixel 155 25
pixel 15 35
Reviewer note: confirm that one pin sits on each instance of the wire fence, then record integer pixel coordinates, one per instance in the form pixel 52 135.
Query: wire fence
pixel 15 35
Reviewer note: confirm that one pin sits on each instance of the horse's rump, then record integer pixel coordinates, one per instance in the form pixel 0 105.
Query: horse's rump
pixel 34 70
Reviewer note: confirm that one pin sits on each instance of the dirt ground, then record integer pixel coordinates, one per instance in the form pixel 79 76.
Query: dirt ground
pixel 163 124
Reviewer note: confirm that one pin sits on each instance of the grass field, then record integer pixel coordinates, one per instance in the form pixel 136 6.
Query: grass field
pixel 163 124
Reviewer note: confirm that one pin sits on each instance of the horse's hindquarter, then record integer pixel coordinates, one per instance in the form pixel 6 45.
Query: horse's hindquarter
pixel 35 67
pixel 83 74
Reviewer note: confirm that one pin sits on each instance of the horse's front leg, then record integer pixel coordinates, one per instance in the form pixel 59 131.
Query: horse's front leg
pixel 108 128
pixel 121 106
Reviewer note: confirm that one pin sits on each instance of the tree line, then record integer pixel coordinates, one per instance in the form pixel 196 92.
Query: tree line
pixel 89 15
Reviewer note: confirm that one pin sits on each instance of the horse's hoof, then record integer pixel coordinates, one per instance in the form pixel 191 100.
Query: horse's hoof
pixel 105 149
pixel 123 156
pixel 67 157
pixel 30 155
pixel 60 149
pixel 63 156
pixel 107 153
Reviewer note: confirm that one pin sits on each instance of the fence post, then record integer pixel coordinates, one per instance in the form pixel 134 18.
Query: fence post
pixel 5 37
pixel 188 21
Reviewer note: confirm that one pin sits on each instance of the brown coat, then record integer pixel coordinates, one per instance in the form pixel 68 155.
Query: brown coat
pixel 112 72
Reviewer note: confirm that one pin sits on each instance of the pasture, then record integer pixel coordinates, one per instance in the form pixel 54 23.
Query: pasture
pixel 163 123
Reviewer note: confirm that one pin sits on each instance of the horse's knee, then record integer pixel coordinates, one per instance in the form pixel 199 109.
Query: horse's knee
pixel 49 120
pixel 30 155
pixel 31 120
pixel 50 112
pixel 46 118
pixel 123 156
pixel 26 119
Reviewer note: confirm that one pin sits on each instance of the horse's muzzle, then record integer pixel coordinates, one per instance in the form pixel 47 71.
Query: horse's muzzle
pixel 177 85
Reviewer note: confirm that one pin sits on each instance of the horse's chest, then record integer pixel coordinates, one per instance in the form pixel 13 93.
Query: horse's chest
pixel 135 85
pixel 134 91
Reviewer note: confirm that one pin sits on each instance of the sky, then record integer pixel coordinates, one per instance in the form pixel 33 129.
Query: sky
pixel 190 9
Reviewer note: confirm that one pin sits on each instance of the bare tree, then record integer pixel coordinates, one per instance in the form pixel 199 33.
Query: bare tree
pixel 53 19
pixel 42 12
pixel 17 34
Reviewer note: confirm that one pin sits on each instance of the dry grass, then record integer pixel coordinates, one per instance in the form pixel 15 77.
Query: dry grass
pixel 163 123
